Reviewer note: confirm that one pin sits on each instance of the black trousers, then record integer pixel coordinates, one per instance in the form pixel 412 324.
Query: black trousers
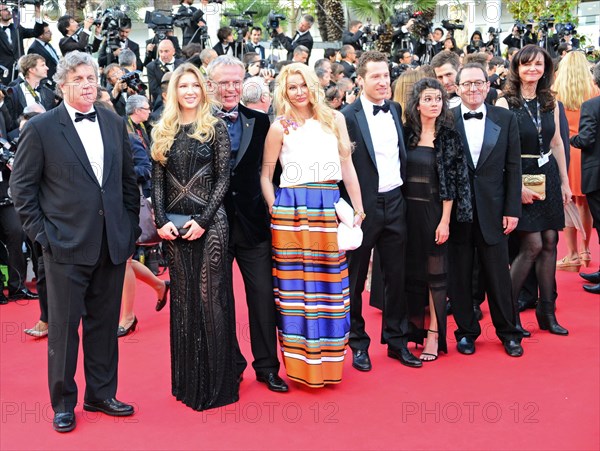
pixel 493 262
pixel 40 284
pixel 90 295
pixel 256 265
pixel 593 200
pixel 386 231
pixel 11 234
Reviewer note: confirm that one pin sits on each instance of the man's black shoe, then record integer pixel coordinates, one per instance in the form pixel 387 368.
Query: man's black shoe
pixel 23 293
pixel 594 289
pixel 405 357
pixel 478 312
pixel 3 298
pixel 110 407
pixel 274 382
pixel 593 277
pixel 64 422
pixel 513 348
pixel 466 346
pixel 361 360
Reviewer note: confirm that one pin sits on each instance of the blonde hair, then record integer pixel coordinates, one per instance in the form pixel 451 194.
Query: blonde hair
pixel 574 83
pixel 404 87
pixel 316 96
pixel 163 134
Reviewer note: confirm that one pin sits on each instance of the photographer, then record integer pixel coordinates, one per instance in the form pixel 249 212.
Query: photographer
pixel 354 36
pixel 254 45
pixel 475 43
pixel 117 88
pixel 302 36
pixel 28 90
pixel 11 40
pixel 226 44
pixel 497 72
pixel 77 37
pixel 194 29
pixel 109 52
pixel 520 37
pixel 402 38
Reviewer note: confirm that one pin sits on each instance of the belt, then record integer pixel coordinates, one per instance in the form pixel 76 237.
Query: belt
pixel 537 156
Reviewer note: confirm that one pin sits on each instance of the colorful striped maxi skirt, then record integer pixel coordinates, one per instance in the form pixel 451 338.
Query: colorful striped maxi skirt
pixel 310 280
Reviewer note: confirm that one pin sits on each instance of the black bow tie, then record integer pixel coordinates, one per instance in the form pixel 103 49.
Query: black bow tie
pixel 377 108
pixel 89 116
pixel 472 115
pixel 4 27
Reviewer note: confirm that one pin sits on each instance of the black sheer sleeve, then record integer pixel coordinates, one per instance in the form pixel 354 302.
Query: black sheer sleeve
pixel 158 194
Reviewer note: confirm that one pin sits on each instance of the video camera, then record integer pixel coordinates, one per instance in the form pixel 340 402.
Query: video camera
pixel 564 29
pixel 452 25
pixel 160 22
pixel 7 152
pixel 272 22
pixel 133 81
pixel 112 20
pixel 545 23
pixel 239 22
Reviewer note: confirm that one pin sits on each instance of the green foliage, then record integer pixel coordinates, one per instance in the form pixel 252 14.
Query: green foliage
pixel 562 10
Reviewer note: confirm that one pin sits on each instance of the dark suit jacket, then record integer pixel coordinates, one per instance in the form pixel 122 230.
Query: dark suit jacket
pixel 349 69
pixel 10 53
pixel 352 39
pixel 105 57
pixel 363 156
pixel 41 50
pixel 155 71
pixel 588 140
pixel 68 43
pixel 249 47
pixel 61 204
pixel 289 44
pixel 236 48
pixel 496 181
pixel 15 100
pixel 244 200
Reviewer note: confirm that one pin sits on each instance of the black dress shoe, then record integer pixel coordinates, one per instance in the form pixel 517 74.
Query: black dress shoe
pixel 594 289
pixel 274 382
pixel 466 346
pixel 163 301
pixel 23 293
pixel 361 360
pixel 124 331
pixel 405 357
pixel 513 348
pixel 478 312
pixel 64 422
pixel 593 277
pixel 3 299
pixel 110 407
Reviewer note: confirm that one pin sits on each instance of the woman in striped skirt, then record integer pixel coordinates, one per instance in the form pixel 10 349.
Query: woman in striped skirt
pixel 310 273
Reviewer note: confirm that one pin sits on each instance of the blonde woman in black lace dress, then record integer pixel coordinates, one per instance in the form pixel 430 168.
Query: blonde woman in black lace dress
pixel 190 177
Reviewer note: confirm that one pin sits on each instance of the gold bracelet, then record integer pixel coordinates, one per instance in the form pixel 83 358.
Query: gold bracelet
pixel 361 214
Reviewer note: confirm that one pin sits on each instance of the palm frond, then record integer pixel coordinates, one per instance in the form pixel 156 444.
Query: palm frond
pixel 364 9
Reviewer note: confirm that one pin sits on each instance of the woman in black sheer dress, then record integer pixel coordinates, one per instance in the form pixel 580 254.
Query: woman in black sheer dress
pixel 528 93
pixel 436 179
pixel 190 177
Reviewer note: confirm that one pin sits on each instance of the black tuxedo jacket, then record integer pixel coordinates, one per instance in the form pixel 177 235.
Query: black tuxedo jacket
pixel 353 39
pixel 69 44
pixel 61 204
pixel 11 52
pixel 363 156
pixel 289 44
pixel 155 71
pixel 105 56
pixel 588 140
pixel 39 49
pixel 258 49
pixel 349 69
pixel 244 200
pixel 236 48
pixel 496 181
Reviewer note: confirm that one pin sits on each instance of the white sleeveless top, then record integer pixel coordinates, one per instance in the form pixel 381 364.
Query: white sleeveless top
pixel 309 155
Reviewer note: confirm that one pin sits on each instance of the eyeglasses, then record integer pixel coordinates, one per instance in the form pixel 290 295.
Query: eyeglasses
pixel 467 84
pixel 227 84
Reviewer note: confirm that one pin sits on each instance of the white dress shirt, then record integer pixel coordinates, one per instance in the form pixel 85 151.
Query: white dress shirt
pixel 91 138
pixel 29 99
pixel 384 136
pixel 474 129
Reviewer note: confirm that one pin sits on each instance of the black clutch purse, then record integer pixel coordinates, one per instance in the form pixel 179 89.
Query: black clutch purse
pixel 179 221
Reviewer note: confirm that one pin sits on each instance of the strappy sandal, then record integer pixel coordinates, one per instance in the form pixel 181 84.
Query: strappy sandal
pixel 566 264
pixel 585 257
pixel 429 356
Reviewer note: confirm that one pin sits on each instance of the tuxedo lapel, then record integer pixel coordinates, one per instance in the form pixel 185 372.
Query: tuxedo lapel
pixel 4 42
pixel 74 141
pixel 490 138
pixel 460 127
pixel 108 144
pixel 247 131
pixel 361 120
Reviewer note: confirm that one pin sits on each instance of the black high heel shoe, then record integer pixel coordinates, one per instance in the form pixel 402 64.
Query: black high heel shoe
pixel 122 331
pixel 160 304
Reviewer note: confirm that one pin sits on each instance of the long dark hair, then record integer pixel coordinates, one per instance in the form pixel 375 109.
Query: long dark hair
pixel 512 89
pixel 413 115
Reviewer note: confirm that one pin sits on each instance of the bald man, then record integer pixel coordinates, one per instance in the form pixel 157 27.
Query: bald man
pixel 166 62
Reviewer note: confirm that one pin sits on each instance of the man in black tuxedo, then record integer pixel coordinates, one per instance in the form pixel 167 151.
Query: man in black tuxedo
pixel 77 37
pixel 254 45
pixel 353 36
pixel 41 46
pixel 74 187
pixel 302 36
pixel 11 40
pixel 166 62
pixel 493 153
pixel 348 54
pixel 588 140
pixel 108 55
pixel 375 127
pixel 249 221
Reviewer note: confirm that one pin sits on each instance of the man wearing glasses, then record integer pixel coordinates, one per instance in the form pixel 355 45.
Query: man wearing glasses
pixel 493 153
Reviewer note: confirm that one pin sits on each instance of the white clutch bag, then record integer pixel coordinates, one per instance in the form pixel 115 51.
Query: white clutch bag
pixel 348 236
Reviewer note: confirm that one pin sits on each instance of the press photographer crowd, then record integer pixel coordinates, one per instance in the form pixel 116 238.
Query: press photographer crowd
pixel 443 173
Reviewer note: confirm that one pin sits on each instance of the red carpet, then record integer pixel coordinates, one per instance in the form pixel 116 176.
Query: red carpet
pixel 547 400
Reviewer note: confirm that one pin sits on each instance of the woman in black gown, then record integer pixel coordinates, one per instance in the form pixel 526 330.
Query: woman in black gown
pixel 528 93
pixel 436 179
pixel 190 177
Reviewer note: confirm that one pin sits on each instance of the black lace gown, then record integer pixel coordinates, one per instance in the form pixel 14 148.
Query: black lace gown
pixel 194 181
pixel 426 262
